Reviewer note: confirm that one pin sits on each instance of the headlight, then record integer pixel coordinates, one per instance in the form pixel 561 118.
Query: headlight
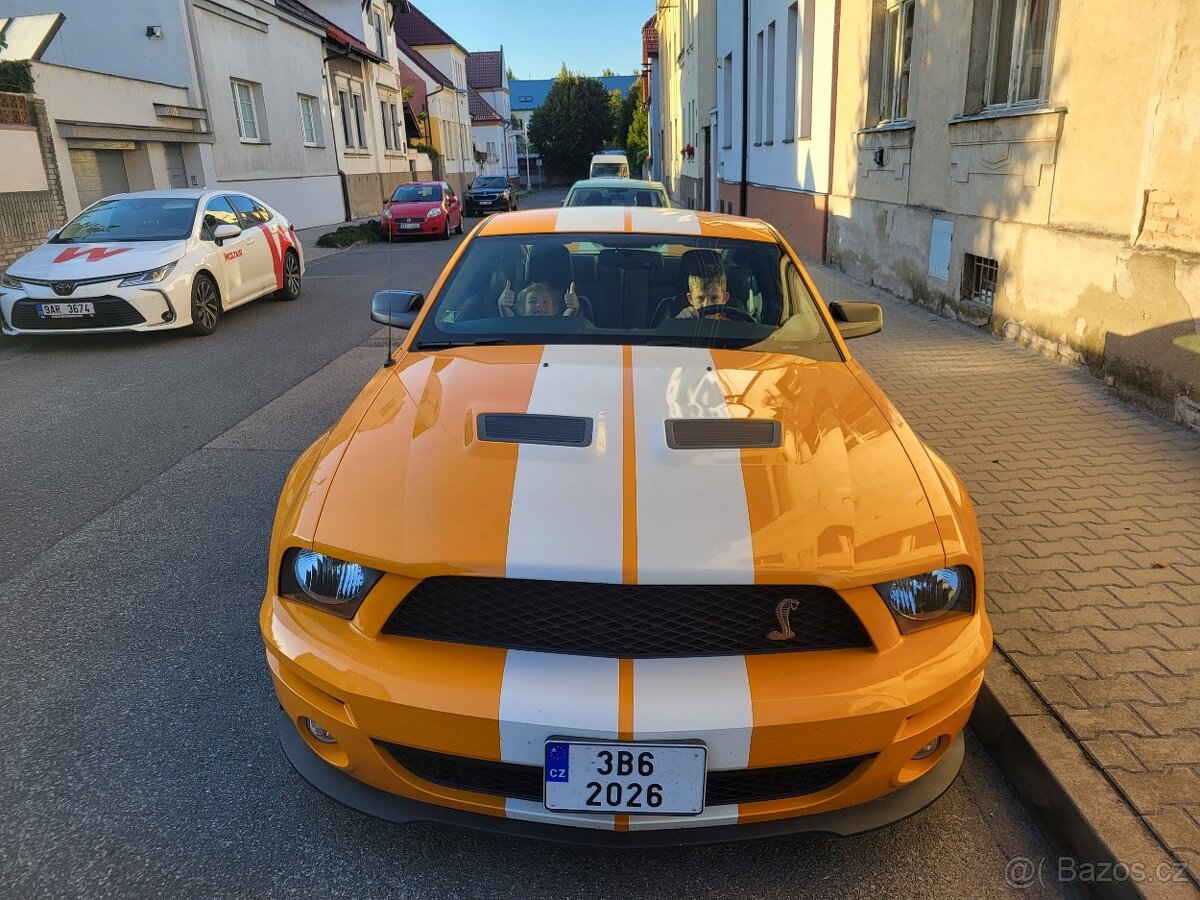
pixel 152 277
pixel 436 211
pixel 387 213
pixel 323 581
pixel 7 281
pixel 923 600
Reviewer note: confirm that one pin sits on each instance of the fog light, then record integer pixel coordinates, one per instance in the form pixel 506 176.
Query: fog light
pixel 924 753
pixel 319 732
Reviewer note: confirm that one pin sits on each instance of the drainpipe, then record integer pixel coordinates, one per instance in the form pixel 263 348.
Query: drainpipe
pixel 745 99
pixel 837 32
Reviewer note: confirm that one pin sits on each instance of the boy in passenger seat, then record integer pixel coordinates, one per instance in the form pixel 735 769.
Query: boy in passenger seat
pixel 537 299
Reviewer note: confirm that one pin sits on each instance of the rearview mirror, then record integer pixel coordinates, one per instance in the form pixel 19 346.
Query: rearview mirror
pixel 225 231
pixel 396 309
pixel 856 318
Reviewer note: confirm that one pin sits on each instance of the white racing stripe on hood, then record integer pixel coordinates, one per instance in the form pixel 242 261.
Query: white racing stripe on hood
pixel 566 508
pixel 590 218
pixel 692 520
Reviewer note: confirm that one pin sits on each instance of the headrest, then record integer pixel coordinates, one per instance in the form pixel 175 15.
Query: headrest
pixel 550 263
pixel 698 262
pixel 620 258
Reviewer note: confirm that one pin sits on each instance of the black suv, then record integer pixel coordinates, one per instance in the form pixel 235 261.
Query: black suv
pixel 489 193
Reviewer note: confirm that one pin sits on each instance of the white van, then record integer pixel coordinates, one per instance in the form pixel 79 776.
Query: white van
pixel 609 165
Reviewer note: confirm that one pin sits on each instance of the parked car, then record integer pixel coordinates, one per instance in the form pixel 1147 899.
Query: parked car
pixel 609 165
pixel 617 192
pixel 152 261
pixel 660 564
pixel 489 193
pixel 422 207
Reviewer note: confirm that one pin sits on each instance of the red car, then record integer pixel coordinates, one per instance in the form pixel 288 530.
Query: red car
pixel 422 207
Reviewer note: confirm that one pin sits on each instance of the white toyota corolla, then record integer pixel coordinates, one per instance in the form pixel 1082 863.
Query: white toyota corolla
pixel 150 261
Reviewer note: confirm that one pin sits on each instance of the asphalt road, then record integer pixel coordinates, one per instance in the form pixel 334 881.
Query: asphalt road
pixel 139 756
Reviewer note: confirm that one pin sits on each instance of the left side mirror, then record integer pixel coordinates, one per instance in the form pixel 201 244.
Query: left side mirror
pixel 396 309
pixel 52 233
pixel 856 318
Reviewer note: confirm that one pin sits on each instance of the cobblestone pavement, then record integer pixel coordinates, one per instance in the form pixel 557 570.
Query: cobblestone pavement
pixel 1090 513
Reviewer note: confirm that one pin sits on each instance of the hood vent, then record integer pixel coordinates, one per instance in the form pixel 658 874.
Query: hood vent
pixel 723 434
pixel 527 428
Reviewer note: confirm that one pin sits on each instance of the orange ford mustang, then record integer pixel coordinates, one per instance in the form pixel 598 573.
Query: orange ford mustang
pixel 623 547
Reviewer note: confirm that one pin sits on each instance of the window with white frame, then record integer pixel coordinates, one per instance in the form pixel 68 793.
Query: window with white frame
pixel 244 108
pixel 1019 54
pixel 727 106
pixel 769 137
pixel 380 30
pixel 758 94
pixel 491 151
pixel 897 60
pixel 309 120
pixel 801 41
pixel 397 141
pixel 360 126
pixel 344 106
pixel 387 126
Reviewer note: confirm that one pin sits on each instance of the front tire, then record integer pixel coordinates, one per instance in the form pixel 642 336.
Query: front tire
pixel 446 230
pixel 292 281
pixel 206 305
pixel 460 228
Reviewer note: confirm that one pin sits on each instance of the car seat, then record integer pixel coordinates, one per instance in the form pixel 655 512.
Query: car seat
pixel 551 264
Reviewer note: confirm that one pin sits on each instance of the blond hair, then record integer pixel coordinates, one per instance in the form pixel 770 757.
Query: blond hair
pixel 529 290
pixel 711 276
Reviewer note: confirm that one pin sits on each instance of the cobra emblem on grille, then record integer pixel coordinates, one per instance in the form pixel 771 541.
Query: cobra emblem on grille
pixel 784 609
pixel 63 288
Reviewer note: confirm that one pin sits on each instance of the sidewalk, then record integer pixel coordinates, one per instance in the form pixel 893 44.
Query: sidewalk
pixel 1090 513
pixel 308 238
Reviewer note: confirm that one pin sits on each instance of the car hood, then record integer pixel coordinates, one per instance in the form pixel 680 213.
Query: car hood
pixel 418 491
pixel 413 209
pixel 76 262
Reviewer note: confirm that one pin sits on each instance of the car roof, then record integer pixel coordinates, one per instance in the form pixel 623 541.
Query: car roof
pixel 606 157
pixel 627 220
pixel 623 183
pixel 177 193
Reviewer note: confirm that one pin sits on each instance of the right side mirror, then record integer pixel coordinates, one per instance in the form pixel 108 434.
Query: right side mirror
pixel 856 318
pixel 396 309
pixel 225 231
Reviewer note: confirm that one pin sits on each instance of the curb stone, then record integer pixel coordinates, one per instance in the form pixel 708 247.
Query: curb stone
pixel 1078 809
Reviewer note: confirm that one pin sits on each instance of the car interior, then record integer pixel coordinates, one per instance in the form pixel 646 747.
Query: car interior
pixel 616 197
pixel 626 286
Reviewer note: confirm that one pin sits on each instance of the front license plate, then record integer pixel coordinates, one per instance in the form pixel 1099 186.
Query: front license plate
pixel 486 202
pixel 408 225
pixel 639 779
pixel 65 310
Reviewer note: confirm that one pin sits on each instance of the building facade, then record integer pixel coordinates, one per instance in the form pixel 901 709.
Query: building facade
pixel 447 101
pixel 687 46
pixel 772 117
pixel 487 77
pixel 980 171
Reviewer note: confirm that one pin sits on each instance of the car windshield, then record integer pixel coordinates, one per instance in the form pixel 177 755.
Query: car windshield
pixel 672 290
pixel 609 169
pixel 417 193
pixel 491 181
pixel 616 197
pixel 132 219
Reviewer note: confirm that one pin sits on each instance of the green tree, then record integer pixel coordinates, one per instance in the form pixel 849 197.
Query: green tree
pixel 571 124
pixel 607 73
pixel 623 113
pixel 637 140
pixel 509 74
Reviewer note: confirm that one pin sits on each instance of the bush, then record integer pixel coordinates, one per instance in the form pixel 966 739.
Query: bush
pixel 351 234
pixel 16 76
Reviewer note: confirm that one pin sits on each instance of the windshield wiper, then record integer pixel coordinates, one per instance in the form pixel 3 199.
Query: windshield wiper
pixel 445 345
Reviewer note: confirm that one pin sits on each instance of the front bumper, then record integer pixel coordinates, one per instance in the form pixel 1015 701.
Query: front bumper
pixel 900 804
pixel 457 700
pixel 147 308
pixel 398 228
pixel 475 207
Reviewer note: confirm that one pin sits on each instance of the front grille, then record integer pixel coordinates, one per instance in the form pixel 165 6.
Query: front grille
pixel 522 782
pixel 626 620
pixel 111 312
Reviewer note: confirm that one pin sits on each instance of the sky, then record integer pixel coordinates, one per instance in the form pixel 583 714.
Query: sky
pixel 588 35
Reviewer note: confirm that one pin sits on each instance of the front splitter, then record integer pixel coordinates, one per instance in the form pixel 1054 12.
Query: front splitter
pixel 899 804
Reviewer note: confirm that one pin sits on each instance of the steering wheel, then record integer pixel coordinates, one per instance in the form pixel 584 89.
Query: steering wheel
pixel 734 312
